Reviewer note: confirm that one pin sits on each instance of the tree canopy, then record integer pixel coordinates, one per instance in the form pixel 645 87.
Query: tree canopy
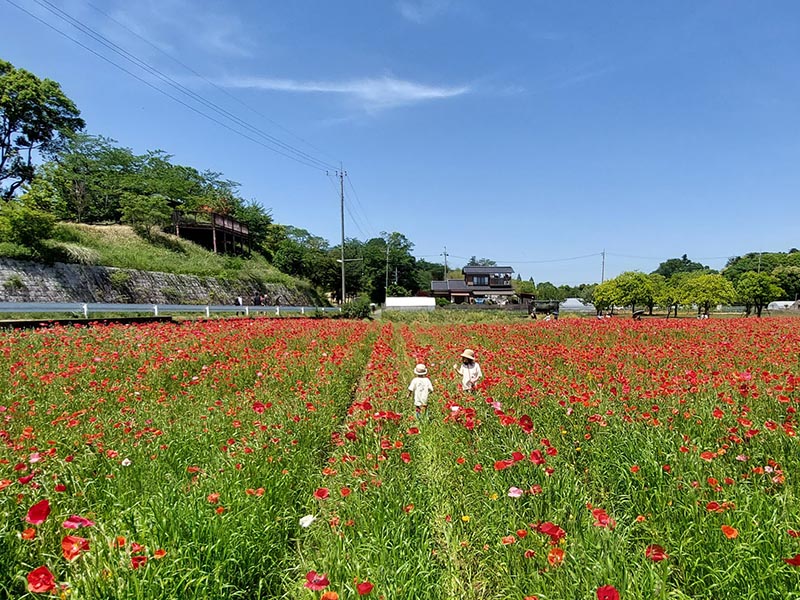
pixel 36 118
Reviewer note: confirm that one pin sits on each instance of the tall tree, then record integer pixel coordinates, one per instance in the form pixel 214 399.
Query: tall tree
pixel 35 119
pixel 788 277
pixel 757 290
pixel 678 265
pixel 635 288
pixel 707 290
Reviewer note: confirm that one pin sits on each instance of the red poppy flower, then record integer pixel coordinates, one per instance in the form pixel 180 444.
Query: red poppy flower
pixel 138 561
pixel 329 595
pixel 38 512
pixel 607 592
pixel 364 588
pixel 321 493
pixel 160 553
pixel 556 556
pixel 529 553
pixel 794 561
pixel 655 553
pixel 41 580
pixel 405 457
pixel 508 539
pixel 551 529
pixel 345 492
pixel 28 534
pixel 730 532
pixel 73 546
pixel 316 581
pixel 213 498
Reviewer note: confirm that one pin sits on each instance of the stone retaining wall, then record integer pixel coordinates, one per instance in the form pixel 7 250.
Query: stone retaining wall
pixel 24 281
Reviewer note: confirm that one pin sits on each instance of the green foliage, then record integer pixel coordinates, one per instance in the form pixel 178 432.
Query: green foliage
pixel 145 213
pixel 757 290
pixel 759 262
pixel 607 295
pixel 523 287
pixel 481 262
pixel 788 278
pixel 547 291
pixel 35 117
pixel 25 226
pixel 707 290
pixel 678 265
pixel 14 283
pixel 635 288
pixel 357 309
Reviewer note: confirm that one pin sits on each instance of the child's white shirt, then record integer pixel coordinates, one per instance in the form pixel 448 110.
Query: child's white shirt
pixel 470 374
pixel 421 386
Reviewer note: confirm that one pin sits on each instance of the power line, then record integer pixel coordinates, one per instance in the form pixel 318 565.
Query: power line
pixel 359 205
pixel 208 81
pixel 172 83
pixel 298 156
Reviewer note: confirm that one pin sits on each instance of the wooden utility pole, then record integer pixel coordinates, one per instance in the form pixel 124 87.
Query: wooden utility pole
pixel 341 195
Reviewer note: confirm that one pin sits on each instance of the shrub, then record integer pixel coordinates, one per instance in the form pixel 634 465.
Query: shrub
pixel 357 309
pixel 14 283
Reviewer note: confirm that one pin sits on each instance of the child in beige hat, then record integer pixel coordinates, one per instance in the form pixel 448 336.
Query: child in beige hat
pixel 469 370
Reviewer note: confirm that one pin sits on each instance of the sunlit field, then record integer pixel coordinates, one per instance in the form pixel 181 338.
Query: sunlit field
pixel 281 459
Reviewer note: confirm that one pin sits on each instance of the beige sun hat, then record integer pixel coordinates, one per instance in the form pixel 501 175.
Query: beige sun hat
pixel 470 354
pixel 420 369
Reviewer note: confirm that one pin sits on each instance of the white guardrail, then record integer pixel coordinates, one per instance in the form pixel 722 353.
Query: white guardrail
pixel 86 309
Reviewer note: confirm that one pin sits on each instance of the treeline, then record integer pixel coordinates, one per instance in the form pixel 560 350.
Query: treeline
pixel 51 170
pixel 753 281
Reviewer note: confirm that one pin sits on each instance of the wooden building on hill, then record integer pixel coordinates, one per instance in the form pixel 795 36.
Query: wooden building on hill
pixel 216 232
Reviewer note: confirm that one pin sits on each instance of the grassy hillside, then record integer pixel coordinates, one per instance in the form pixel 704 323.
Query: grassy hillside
pixel 120 246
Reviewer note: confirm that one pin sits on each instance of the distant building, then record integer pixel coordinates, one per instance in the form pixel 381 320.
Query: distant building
pixel 780 305
pixel 576 305
pixel 410 303
pixel 479 285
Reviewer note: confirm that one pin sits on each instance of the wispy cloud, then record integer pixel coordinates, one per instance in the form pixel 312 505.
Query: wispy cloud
pixel 181 24
pixel 422 11
pixel 372 94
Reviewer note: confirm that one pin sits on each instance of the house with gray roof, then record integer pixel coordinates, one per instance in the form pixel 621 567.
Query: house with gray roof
pixel 479 284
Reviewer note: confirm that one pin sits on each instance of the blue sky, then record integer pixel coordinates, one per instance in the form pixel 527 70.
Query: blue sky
pixel 524 131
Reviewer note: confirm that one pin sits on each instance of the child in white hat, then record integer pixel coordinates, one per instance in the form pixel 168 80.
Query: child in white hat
pixel 420 386
pixel 469 370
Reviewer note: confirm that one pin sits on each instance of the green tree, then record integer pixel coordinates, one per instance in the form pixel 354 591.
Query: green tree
pixel 35 119
pixel 547 291
pixel 678 265
pixel 25 226
pixel 706 290
pixel 635 288
pixel 788 278
pixel 757 290
pixel 481 262
pixel 607 295
pixel 145 213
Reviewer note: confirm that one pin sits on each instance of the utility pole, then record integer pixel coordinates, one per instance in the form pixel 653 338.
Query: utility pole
pixel 341 195
pixel 445 263
pixel 603 268
pixel 386 288
pixel 759 262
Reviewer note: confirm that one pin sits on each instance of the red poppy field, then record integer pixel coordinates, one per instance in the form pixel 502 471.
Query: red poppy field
pixel 281 459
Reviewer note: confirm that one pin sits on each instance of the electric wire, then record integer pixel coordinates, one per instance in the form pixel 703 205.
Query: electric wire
pixel 194 109
pixel 171 82
pixel 208 81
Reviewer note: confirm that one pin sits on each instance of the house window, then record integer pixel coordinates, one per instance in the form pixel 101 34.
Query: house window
pixel 480 280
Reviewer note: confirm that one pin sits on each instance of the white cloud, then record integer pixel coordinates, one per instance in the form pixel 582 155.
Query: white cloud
pixel 180 24
pixel 371 93
pixel 422 11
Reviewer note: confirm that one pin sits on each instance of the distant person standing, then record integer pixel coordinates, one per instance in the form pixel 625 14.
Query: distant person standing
pixel 420 387
pixel 469 370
